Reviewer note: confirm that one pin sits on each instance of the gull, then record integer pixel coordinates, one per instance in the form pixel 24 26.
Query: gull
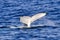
pixel 28 20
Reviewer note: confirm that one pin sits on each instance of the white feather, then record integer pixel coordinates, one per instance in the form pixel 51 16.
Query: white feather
pixel 28 20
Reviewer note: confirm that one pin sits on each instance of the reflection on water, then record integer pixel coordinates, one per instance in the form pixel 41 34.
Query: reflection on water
pixel 41 33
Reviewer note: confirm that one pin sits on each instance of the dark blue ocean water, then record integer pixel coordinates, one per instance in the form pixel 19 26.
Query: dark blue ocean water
pixel 48 27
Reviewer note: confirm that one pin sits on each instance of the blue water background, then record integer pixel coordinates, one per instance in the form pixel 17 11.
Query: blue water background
pixel 12 10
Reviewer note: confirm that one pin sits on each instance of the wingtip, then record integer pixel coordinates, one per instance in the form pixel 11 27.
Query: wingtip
pixel 44 13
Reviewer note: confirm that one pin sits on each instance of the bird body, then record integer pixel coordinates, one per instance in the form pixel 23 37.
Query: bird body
pixel 28 20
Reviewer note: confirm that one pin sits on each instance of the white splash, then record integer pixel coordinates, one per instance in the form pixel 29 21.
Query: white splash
pixel 28 20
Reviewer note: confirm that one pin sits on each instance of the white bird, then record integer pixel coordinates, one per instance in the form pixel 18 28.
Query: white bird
pixel 28 20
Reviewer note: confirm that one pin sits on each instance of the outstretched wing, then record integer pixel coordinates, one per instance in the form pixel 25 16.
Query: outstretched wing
pixel 37 16
pixel 25 19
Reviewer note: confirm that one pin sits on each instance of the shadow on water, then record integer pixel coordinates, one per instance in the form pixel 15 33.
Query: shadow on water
pixel 35 27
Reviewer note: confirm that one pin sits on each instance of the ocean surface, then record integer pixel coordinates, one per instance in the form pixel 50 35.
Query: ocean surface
pixel 46 28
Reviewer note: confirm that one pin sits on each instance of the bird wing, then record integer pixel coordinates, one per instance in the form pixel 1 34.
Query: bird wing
pixel 37 16
pixel 25 19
